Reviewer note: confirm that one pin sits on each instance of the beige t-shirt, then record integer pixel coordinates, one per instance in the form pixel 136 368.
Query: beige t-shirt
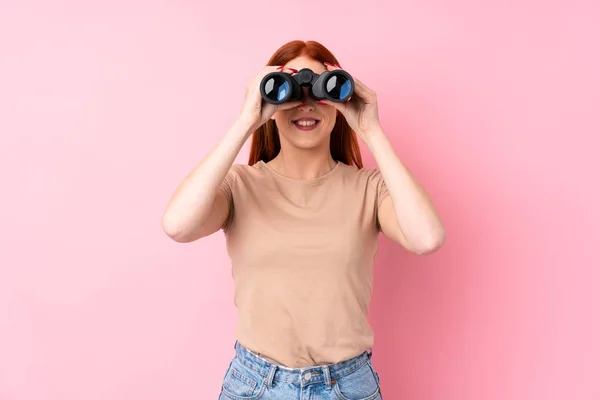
pixel 302 255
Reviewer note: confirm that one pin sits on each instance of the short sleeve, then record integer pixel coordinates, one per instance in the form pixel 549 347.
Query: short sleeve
pixel 227 187
pixel 381 193
pixel 382 190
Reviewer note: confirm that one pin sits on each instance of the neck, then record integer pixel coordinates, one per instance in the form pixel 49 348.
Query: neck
pixel 303 164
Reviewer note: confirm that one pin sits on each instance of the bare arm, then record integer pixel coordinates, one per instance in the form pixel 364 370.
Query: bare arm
pixel 408 216
pixel 198 207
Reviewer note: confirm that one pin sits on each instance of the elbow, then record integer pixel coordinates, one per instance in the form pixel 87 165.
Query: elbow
pixel 433 244
pixel 172 229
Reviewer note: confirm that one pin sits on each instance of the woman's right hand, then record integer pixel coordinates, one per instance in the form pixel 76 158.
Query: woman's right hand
pixel 255 111
pixel 198 207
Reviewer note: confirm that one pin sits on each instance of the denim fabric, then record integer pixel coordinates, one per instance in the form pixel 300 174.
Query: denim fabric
pixel 251 377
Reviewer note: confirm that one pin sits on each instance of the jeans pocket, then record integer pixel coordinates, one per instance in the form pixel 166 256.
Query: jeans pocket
pixel 361 384
pixel 242 384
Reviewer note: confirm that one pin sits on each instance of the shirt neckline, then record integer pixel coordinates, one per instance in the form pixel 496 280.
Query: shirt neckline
pixel 302 181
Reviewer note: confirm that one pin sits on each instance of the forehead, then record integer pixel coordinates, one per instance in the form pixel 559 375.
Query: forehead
pixel 306 62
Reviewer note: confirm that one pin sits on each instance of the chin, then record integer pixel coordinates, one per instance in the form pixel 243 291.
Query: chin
pixel 306 144
pixel 306 140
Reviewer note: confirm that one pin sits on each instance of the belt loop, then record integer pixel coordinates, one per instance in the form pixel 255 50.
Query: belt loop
pixel 327 377
pixel 370 353
pixel 235 344
pixel 271 376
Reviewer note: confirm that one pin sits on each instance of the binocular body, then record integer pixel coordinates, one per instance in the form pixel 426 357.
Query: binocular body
pixel 279 87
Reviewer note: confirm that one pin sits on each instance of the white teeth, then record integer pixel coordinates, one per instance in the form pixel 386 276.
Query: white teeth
pixel 306 123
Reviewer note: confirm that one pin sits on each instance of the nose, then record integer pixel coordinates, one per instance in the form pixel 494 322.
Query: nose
pixel 308 102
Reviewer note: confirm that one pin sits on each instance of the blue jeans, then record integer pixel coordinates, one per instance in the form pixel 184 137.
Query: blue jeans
pixel 251 377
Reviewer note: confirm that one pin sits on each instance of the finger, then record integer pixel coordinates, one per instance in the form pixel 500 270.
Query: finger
pixel 266 70
pixel 363 90
pixel 272 68
pixel 331 67
pixel 288 70
pixel 361 86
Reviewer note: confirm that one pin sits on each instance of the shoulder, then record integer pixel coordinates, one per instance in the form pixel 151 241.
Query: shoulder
pixel 245 173
pixel 367 176
pixel 244 169
pixel 241 169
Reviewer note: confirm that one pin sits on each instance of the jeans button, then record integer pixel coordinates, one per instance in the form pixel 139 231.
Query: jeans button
pixel 308 376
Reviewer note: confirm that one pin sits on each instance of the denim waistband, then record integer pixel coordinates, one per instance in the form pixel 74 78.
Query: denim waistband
pixel 302 376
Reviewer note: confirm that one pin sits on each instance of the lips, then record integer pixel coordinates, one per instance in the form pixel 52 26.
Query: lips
pixel 306 123
pixel 305 119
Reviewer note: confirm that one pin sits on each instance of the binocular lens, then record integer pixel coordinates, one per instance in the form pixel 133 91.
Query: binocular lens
pixel 338 86
pixel 276 88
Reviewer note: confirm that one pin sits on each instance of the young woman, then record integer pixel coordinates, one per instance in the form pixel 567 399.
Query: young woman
pixel 301 222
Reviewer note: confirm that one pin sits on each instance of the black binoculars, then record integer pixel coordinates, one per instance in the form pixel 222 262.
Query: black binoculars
pixel 279 87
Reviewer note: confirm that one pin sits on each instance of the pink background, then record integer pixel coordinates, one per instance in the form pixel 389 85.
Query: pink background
pixel 106 106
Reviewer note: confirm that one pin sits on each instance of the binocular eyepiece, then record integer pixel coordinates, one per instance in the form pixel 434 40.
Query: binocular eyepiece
pixel 279 87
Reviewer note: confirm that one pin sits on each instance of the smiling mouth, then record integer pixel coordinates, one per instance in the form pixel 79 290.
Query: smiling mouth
pixel 306 124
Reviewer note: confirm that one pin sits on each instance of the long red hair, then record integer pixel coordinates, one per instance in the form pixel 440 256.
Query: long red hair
pixel 343 143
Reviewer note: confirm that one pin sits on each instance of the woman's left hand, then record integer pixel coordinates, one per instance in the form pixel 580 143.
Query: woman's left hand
pixel 360 110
